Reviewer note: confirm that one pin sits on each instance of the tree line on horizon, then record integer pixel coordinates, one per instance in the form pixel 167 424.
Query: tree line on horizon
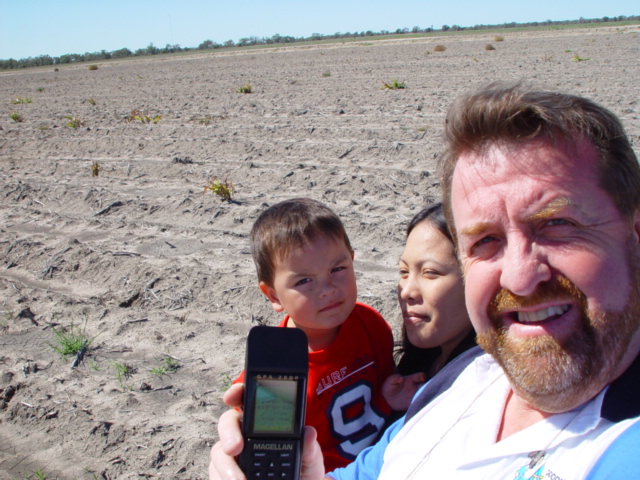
pixel 151 49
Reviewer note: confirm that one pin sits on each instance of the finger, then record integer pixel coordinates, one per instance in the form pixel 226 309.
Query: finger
pixel 312 461
pixel 222 466
pixel 230 433
pixel 233 396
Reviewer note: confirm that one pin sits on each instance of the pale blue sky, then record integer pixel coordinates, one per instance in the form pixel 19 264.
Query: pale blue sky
pixel 30 28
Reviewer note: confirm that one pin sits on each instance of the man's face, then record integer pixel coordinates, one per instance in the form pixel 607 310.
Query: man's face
pixel 551 269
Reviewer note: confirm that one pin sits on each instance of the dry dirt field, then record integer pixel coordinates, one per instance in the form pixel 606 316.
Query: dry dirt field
pixel 158 274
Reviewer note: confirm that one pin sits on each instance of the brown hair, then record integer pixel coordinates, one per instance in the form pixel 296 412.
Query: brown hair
pixel 510 114
pixel 288 225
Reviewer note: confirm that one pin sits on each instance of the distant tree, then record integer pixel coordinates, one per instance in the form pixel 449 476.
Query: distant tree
pixel 122 53
pixel 229 43
pixel 446 28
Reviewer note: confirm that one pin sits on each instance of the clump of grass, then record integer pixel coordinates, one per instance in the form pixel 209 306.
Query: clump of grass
pixel 20 100
pixel 91 101
pixel 439 48
pixel 488 46
pixel 326 74
pixel 93 67
pixel 40 89
pixel 223 189
pixel 95 169
pixel 169 365
pixel 74 122
pixel 247 88
pixel 137 116
pixel 71 341
pixel 16 117
pixel 123 373
pixel 498 38
pixel 393 85
pixel 37 475
pixel 578 58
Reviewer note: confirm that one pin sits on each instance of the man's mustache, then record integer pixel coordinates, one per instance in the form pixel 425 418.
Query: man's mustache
pixel 558 288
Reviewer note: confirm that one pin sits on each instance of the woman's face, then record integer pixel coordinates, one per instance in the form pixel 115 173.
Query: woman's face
pixel 430 290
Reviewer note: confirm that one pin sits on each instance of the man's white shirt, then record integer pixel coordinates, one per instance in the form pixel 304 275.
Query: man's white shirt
pixel 454 436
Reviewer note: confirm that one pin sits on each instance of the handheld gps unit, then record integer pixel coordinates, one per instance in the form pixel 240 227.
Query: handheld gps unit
pixel 275 397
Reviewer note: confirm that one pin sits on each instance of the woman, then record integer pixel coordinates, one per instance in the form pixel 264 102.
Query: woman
pixel 436 327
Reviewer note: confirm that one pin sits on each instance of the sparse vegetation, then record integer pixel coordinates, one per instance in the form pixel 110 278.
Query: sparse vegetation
pixel 40 89
pixel 74 122
pixel 488 46
pixel 16 117
pixel 498 38
pixel 223 189
pixel 93 67
pixel 137 116
pixel 393 85
pixel 95 169
pixel 169 365
pixel 20 101
pixel 439 48
pixel 578 58
pixel 71 341
pixel 123 373
pixel 247 88
pixel 91 101
pixel 37 475
pixel 326 74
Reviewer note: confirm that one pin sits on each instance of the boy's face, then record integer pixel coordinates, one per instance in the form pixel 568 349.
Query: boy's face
pixel 315 285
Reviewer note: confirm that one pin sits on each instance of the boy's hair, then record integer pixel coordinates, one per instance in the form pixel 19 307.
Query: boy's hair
pixel 288 225
pixel 511 114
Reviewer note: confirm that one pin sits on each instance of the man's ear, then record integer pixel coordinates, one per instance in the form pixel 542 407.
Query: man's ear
pixel 271 294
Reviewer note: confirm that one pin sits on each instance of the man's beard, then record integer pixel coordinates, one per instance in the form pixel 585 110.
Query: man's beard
pixel 555 376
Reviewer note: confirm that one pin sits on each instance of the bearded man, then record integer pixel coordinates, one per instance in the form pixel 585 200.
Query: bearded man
pixel 542 195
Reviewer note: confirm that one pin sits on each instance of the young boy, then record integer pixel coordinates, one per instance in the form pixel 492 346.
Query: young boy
pixel 304 262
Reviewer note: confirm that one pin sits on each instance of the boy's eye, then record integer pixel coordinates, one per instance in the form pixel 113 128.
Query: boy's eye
pixel 302 281
pixel 337 269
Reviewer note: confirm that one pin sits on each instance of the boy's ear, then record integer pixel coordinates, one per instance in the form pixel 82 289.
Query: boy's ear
pixel 271 294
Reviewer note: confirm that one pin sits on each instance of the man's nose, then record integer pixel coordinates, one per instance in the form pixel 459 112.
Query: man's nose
pixel 524 266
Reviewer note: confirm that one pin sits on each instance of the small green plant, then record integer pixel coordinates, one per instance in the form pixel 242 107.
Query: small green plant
pixel 16 117
pixel 138 116
pixel 20 100
pixel 206 120
pixel 169 365
pixel 488 46
pixel 40 89
pixel 439 48
pixel 247 88
pixel 71 341
pixel 74 122
pixel 578 58
pixel 498 38
pixel 226 381
pixel 91 101
pixel 123 373
pixel 223 189
pixel 326 74
pixel 393 85
pixel 567 50
pixel 93 67
pixel 37 475
pixel 95 169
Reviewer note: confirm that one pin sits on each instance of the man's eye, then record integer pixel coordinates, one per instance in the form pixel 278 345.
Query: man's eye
pixel 557 222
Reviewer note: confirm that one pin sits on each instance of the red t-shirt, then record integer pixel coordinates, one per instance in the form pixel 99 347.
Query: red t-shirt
pixel 344 395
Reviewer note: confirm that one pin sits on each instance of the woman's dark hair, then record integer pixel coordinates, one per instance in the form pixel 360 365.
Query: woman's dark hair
pixel 411 359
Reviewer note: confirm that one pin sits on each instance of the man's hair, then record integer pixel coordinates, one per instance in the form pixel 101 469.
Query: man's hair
pixel 288 225
pixel 513 114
